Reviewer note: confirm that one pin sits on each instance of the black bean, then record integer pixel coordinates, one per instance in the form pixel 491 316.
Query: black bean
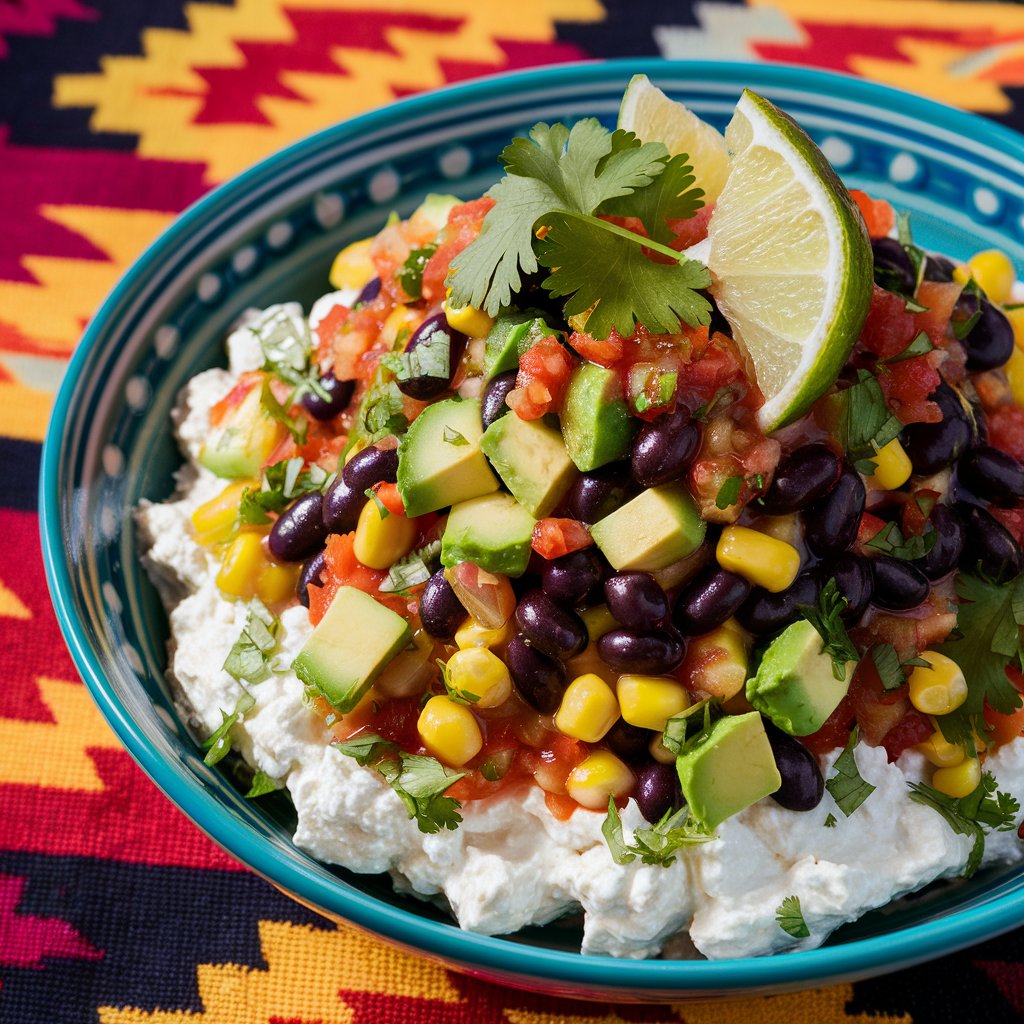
pixel 441 611
pixel 311 573
pixel 897 585
pixel 765 614
pixel 370 291
pixel 653 652
pixel 949 543
pixel 713 596
pixel 992 475
pixel 371 466
pixel 598 493
pixel 299 530
pixel 664 448
pixel 803 785
pixel 853 581
pixel 570 578
pixel 550 628
pixel 989 343
pixel 831 524
pixel 989 548
pixel 339 394
pixel 630 742
pixel 493 406
pixel 718 322
pixel 539 679
pixel 933 446
pixel 657 790
pixel 636 599
pixel 802 477
pixel 893 269
pixel 426 385
pixel 938 268
pixel 342 506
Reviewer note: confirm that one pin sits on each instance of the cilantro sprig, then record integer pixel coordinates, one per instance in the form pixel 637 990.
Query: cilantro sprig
pixel 865 424
pixel 890 541
pixel 248 661
pixel 548 208
pixel 847 786
pixel 984 810
pixel 412 569
pixel 282 483
pixel 827 618
pixel 218 743
pixel 657 844
pixel 790 918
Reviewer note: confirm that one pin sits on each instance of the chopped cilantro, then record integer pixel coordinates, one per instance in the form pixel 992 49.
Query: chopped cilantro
pixel 827 618
pixel 430 358
pixel 382 510
pixel 963 327
pixel 917 256
pixel 420 782
pixel 721 396
pixel 453 437
pixel 455 695
pixel 282 483
pixel 791 919
pixel 410 274
pixel 865 424
pixel 249 657
pixel 655 845
pixel 366 748
pixel 890 541
pixel 973 815
pixel 287 345
pixel 218 743
pixel 296 426
pixel 847 787
pixel 561 179
pixel 921 345
pixel 729 492
pixel 690 727
pixel 887 662
pixel 262 784
pixel 830 821
pixel 411 570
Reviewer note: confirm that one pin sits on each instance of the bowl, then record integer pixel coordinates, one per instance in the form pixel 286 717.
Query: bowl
pixel 268 236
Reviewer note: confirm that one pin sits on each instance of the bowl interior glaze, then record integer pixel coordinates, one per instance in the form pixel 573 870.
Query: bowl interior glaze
pixel 269 235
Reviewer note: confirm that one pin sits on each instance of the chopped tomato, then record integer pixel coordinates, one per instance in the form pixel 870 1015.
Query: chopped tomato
pixel 390 498
pixel 544 372
pixel 888 328
pixel 907 384
pixel 553 538
pixel 869 527
pixel 878 214
pixel 1003 728
pixel 351 335
pixel 874 708
pixel 1006 430
pixel 938 298
pixel 834 733
pixel 911 729
pixel 343 569
pixel 916 509
pixel 691 230
pixel 604 352
pixel 715 363
pixel 464 223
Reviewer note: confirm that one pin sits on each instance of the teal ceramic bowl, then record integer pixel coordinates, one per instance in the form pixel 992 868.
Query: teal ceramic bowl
pixel 269 235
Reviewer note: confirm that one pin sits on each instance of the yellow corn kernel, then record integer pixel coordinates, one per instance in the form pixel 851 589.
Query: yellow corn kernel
pixel 241 564
pixel 380 542
pixel 354 450
pixel 1016 318
pixel 650 701
pixel 1014 370
pixel 993 270
pixel 214 520
pixel 473 322
pixel 352 267
pixel 960 780
pixel 399 325
pixel 276 581
pixel 598 621
pixel 940 752
pixel 961 274
pixel 602 775
pixel 449 731
pixel 939 688
pixel 721 661
pixel 588 709
pixel 472 634
pixel 763 560
pixel 892 466
pixel 659 751
pixel 477 673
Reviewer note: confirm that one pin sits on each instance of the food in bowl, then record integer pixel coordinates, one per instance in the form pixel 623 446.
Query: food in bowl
pixel 637 539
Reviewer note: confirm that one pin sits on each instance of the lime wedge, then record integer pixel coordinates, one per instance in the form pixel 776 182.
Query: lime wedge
pixel 790 259
pixel 650 115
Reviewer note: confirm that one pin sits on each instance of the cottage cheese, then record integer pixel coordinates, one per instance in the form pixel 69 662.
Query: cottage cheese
pixel 511 863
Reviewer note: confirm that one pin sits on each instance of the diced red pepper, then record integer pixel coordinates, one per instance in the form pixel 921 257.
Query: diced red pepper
pixel 553 538
pixel 878 214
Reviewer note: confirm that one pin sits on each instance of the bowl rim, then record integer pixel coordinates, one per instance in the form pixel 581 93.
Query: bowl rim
pixel 496 955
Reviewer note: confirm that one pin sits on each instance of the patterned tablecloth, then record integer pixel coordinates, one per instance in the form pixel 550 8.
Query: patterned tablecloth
pixel 114 114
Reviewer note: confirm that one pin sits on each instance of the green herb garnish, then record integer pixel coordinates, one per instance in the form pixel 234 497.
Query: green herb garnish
pixel 830 821
pixel 411 570
pixel 657 844
pixel 827 618
pixel 890 541
pixel 729 492
pixel 218 743
pixel 921 345
pixel 420 782
pixel 410 274
pixel 865 423
pixel 262 784
pixel 453 437
pixel 282 483
pixel 366 748
pixel 248 661
pixel 791 919
pixel 848 788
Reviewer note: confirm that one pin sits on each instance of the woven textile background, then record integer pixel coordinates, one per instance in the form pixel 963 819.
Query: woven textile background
pixel 115 114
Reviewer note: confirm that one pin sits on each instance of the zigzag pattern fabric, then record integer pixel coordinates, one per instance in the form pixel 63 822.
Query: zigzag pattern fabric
pixel 114 115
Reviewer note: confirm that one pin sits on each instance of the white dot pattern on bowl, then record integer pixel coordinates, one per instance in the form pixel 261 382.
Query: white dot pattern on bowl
pixel 208 287
pixel 904 168
pixel 113 460
pixel 384 185
pixel 137 393
pixel 838 151
pixel 280 234
pixel 112 598
pixel 328 209
pixel 455 162
pixel 166 340
pixel 132 656
pixel 986 202
pixel 244 261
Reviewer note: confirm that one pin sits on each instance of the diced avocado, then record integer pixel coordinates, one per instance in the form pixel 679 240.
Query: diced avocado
pixel 795 686
pixel 243 441
pixel 493 531
pixel 658 527
pixel 530 457
pixel 350 646
pixel 595 420
pixel 729 769
pixel 439 459
pixel 509 338
pixel 435 208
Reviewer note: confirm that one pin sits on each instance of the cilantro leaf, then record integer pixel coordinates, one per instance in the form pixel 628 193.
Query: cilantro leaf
pixel 827 618
pixel 668 197
pixel 690 727
pixel 865 424
pixel 249 657
pixel 988 627
pixel 921 345
pixel 657 844
pixel 455 694
pixel 887 662
pixel 287 345
pixel 791 918
pixel 282 483
pixel 847 787
pixel 366 748
pixel 430 358
pixel 262 783
pixel 218 743
pixel 597 263
pixel 420 782
pixel 453 437
pixel 412 569
pixel 729 492
pixel 296 426
pixel 382 510
pixel 973 815
pixel 410 274
pixel 890 541
pixel 830 821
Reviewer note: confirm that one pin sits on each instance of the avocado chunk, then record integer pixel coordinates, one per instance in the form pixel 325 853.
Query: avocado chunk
pixel 435 208
pixel 493 531
pixel 729 769
pixel 243 441
pixel 531 459
pixel 350 646
pixel 795 686
pixel 439 459
pixel 595 420
pixel 658 527
pixel 509 338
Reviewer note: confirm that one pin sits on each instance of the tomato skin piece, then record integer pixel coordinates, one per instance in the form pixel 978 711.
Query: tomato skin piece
pixel 544 372
pixel 879 216
pixel 939 298
pixel 690 230
pixel 1003 728
pixel 553 538
pixel 907 384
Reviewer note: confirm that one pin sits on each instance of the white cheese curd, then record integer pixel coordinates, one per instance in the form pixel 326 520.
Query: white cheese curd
pixel 511 863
